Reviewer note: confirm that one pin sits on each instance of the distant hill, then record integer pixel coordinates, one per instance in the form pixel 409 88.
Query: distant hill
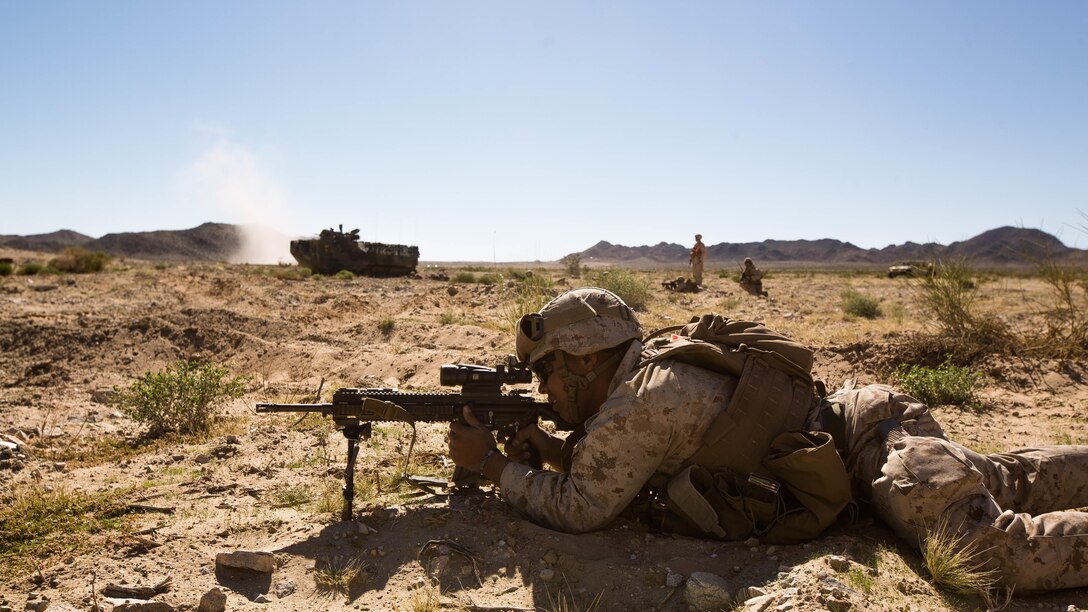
pixel 207 242
pixel 1000 247
pixel 227 242
pixel 51 242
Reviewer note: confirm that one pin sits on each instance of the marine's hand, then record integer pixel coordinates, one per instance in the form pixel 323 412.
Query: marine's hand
pixel 469 443
pixel 520 446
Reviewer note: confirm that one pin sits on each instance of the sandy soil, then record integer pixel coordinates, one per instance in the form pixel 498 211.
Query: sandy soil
pixel 269 483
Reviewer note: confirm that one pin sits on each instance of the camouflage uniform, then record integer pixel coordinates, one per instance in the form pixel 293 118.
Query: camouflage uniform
pixel 653 420
pixel 698 258
pixel 1008 505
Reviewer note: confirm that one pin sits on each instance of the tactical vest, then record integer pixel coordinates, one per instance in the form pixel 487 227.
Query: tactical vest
pixel 757 472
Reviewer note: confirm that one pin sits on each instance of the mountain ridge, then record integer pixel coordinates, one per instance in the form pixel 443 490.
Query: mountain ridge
pixel 1003 246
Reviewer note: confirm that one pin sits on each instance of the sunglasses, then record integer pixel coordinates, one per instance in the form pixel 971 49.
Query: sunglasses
pixel 544 366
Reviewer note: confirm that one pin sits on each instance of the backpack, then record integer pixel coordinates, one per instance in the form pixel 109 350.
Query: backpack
pixel 757 472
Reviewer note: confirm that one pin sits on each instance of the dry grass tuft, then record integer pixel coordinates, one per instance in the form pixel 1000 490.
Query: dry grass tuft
pixel 957 566
pixel 339 574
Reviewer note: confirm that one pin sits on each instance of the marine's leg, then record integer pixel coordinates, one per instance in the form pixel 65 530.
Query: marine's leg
pixel 929 482
pixel 1036 480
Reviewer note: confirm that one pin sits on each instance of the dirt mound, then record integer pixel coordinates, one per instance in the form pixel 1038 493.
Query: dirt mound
pixel 51 243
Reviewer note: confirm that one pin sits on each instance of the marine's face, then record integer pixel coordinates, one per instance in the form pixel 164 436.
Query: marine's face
pixel 551 384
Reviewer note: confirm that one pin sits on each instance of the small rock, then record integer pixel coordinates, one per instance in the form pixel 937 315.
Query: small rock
pixel 139 605
pixel 547 574
pixel 751 542
pixel 215 600
pixel 838 563
pixel 708 591
pixel 104 396
pixel 550 558
pixel 203 458
pixel 673 580
pixel 838 605
pixel 758 604
pixel 262 598
pixel 257 561
pixel 285 588
pixel 37 605
pixel 233 440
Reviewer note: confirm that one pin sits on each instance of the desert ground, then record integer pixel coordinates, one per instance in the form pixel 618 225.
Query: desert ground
pixel 271 483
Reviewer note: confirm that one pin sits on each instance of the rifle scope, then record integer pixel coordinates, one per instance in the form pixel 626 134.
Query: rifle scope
pixel 468 374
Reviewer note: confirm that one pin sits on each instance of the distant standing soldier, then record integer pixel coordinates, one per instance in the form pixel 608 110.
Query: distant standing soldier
pixel 697 259
pixel 751 278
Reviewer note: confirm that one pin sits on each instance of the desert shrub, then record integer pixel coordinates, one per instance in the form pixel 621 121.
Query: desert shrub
pixel 463 277
pixel 945 384
pixel 291 273
pixel 184 398
pixel 1065 322
pixel 860 305
pixel 632 288
pixel 488 278
pixel 386 325
pixel 77 260
pixel 31 268
pixel 447 318
pixel 6 268
pixel 949 295
pixel 528 295
pixel 345 274
pixel 572 264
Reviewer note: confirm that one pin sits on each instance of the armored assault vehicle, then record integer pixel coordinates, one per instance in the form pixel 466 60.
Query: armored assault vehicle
pixel 334 250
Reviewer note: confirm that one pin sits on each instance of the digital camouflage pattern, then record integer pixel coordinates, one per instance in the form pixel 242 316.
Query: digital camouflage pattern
pixel 653 421
pixel 1009 505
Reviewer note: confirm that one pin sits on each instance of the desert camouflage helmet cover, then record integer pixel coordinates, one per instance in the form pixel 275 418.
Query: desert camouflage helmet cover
pixel 578 322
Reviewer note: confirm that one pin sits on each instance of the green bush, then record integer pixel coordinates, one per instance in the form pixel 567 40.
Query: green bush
pixel 463 277
pixel 945 384
pixel 345 274
pixel 77 260
pixel 6 268
pixel 183 398
pixel 860 305
pixel 572 264
pixel 632 288
pixel 386 325
pixel 31 268
pixel 488 278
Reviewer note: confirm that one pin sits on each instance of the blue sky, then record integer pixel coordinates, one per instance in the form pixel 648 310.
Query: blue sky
pixel 519 131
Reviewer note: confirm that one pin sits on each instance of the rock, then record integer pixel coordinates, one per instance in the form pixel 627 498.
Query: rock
pixel 550 558
pixel 751 542
pixel 285 588
pixel 262 599
pixel 707 591
pixel 257 561
pixel 203 458
pixel 752 591
pixel 673 580
pixel 139 605
pixel 104 396
pixel 37 605
pixel 215 600
pixel 838 605
pixel 547 574
pixel 758 604
pixel 838 563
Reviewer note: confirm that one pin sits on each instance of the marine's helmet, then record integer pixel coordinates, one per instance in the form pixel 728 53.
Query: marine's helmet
pixel 698 236
pixel 748 261
pixel 578 322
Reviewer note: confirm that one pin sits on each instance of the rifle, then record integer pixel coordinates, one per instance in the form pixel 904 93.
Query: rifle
pixel 354 411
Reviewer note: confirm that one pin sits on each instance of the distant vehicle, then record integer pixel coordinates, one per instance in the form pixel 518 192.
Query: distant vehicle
pixel 910 269
pixel 334 250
